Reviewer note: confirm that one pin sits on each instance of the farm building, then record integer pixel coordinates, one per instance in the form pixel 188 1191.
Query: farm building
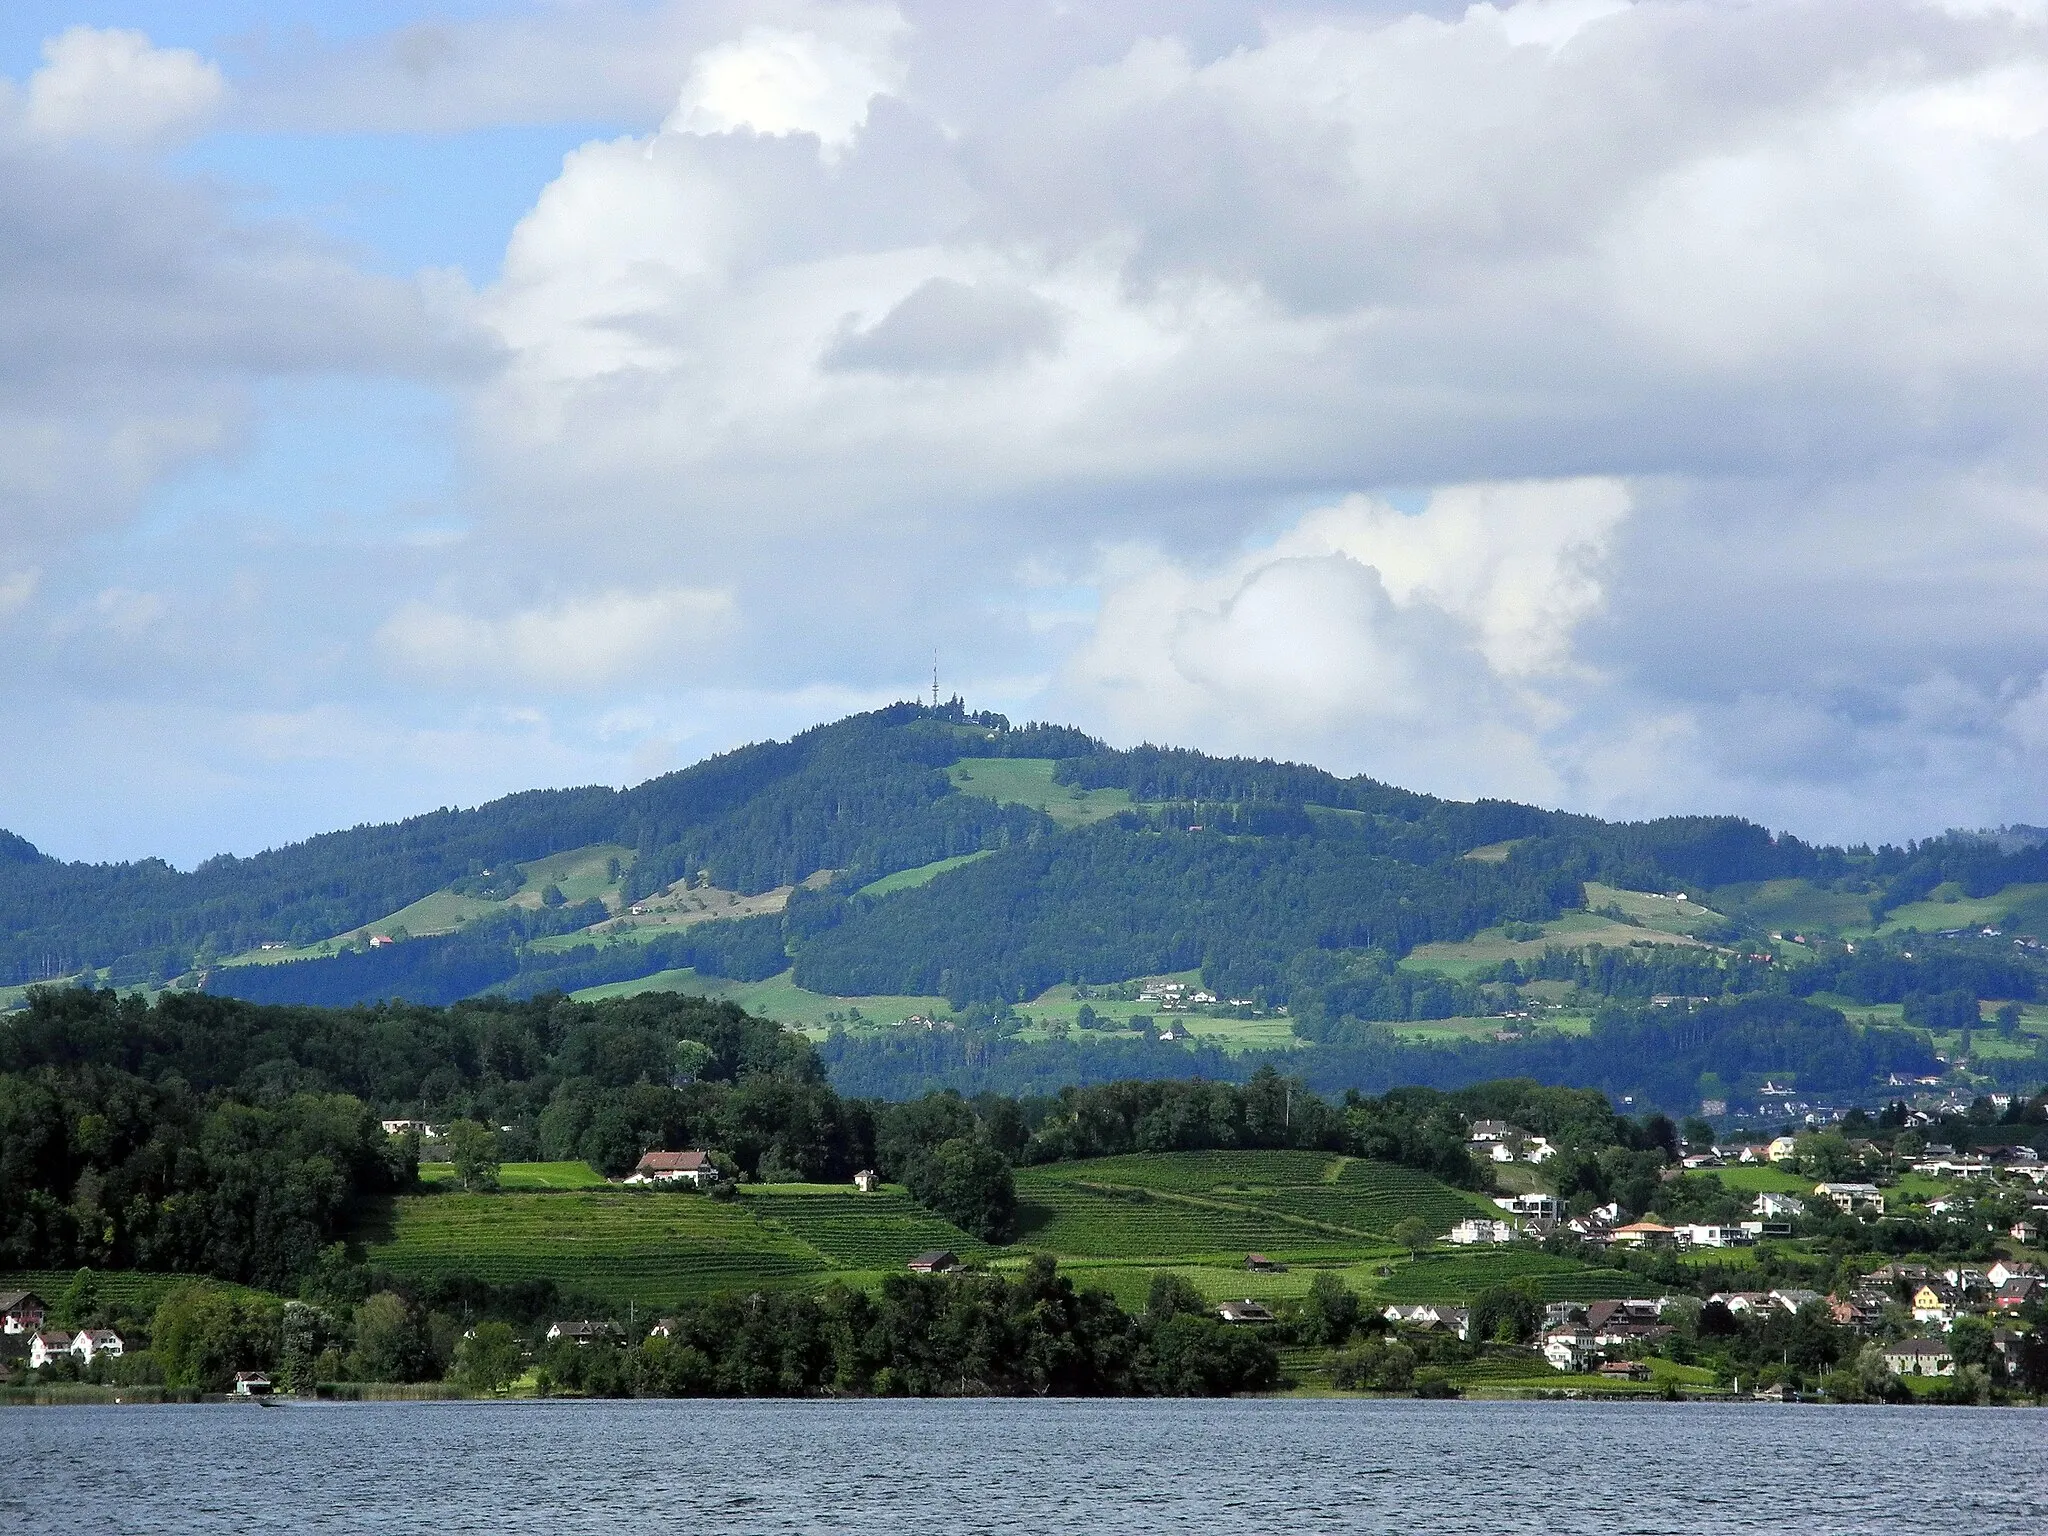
pixel 675 1168
pixel 1246 1311
pixel 936 1262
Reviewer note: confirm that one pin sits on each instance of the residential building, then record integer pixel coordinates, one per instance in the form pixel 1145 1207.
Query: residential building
pixel 21 1311
pixel 1793 1300
pixel 1852 1197
pixel 1645 1234
pixel 252 1384
pixel 1782 1149
pixel 1480 1230
pixel 584 1332
pixel 1490 1130
pixel 50 1344
pixel 1537 1206
pixel 867 1181
pixel 1711 1235
pixel 2017 1292
pixel 1625 1370
pixel 1246 1311
pixel 1919 1357
pixel 2001 1271
pixel 1771 1203
pixel 1935 1304
pixel 1432 1317
pixel 90 1343
pixel 1569 1349
pixel 935 1262
pixel 695 1168
pixel 1258 1263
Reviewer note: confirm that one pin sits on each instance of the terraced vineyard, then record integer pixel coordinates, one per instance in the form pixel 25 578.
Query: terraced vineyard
pixel 654 1246
pixel 1062 1216
pixel 880 1231
pixel 137 1292
pixel 1461 1276
pixel 1352 1195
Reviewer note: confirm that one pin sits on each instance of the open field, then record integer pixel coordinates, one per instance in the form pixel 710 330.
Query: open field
pixel 138 1292
pixel 777 998
pixel 2023 907
pixel 924 874
pixel 1792 906
pixel 1573 930
pixel 525 1175
pixel 1029 781
pixel 1758 1178
pixel 1678 914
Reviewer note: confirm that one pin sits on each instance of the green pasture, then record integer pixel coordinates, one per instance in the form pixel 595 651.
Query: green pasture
pixel 779 998
pixel 2022 907
pixel 525 1175
pixel 924 874
pixel 1572 930
pixel 1794 906
pixel 1678 914
pixel 1029 781
pixel 1761 1178
pixel 133 1291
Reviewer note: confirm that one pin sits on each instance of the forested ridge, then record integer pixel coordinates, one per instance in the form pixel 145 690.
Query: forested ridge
pixel 1274 881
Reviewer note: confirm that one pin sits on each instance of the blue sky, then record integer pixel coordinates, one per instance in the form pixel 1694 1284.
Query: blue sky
pixel 403 405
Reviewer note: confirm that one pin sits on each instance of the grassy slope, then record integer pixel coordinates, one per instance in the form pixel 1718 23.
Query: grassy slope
pixel 525 1175
pixel 777 998
pixel 924 874
pixel 1573 930
pixel 1028 781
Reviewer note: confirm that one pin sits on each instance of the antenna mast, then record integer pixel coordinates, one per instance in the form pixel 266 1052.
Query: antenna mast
pixel 935 677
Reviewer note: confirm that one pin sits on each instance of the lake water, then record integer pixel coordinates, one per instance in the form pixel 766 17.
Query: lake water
pixel 940 1467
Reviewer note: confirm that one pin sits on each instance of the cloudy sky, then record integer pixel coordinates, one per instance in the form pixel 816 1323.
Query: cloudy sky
pixel 1630 407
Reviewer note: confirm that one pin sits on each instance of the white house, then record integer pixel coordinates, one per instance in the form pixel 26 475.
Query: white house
pixel 1432 1316
pixel 1491 1130
pixel 1919 1357
pixel 1482 1231
pixel 1536 1205
pixel 1568 1349
pixel 89 1343
pixel 252 1384
pixel 49 1345
pixel 675 1168
pixel 1852 1197
pixel 867 1181
pixel 1771 1203
pixel 1712 1235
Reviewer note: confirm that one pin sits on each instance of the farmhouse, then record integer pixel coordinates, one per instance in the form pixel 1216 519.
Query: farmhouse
pixel 675 1168
pixel 583 1332
pixel 1260 1264
pixel 1246 1311
pixel 1432 1318
pixel 1919 1357
pixel 21 1311
pixel 867 1181
pixel 936 1262
pixel 49 1345
pixel 89 1343
pixel 1625 1370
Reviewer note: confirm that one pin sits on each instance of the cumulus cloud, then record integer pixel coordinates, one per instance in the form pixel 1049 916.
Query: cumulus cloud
pixel 777 80
pixel 575 645
pixel 946 326
pixel 112 85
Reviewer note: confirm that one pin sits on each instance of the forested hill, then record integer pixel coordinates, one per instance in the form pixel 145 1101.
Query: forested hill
pixel 929 852
pixel 1352 859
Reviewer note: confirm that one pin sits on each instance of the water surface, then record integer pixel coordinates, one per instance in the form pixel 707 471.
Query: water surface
pixel 1550 1469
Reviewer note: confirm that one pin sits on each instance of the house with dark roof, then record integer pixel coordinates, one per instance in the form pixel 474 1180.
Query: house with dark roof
pixel 1246 1311
pixel 1919 1357
pixel 21 1312
pixel 50 1344
pixel 935 1262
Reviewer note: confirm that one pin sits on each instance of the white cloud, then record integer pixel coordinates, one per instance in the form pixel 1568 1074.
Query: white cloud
pixel 575 645
pixel 777 80
pixel 111 85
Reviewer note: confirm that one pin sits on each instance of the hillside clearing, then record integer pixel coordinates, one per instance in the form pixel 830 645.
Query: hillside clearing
pixel 1029 781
